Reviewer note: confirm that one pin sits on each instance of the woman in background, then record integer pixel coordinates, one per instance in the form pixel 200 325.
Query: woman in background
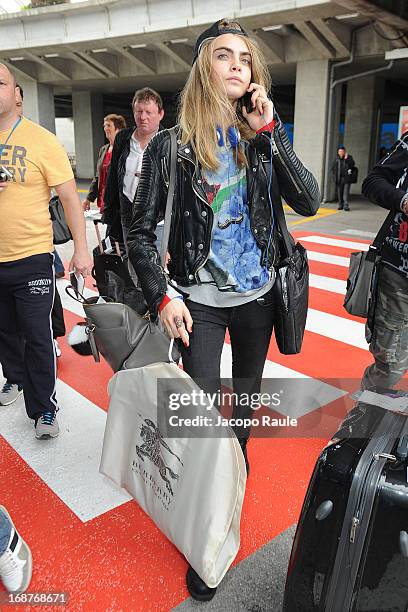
pixel 112 124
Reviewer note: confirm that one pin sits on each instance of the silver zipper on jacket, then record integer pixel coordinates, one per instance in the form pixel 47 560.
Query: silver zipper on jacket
pixel 198 195
pixel 264 160
pixel 192 182
pixel 201 266
pixel 207 204
pixel 276 152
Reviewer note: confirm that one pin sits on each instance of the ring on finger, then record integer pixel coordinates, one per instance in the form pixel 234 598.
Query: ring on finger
pixel 178 322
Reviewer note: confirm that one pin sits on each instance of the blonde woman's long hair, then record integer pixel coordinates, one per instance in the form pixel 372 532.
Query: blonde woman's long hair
pixel 204 106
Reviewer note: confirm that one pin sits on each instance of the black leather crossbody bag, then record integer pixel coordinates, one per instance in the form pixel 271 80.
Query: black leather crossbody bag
pixel 291 288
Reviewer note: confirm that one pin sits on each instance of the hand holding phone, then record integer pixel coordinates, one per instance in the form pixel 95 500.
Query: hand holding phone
pixel 261 112
pixel 78 283
pixel 5 175
pixel 246 101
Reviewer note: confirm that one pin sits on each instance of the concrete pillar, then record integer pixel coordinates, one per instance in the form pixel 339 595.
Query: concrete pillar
pixel 362 124
pixel 87 109
pixel 38 104
pixel 332 142
pixel 311 101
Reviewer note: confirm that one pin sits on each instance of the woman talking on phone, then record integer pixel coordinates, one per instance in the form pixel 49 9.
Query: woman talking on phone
pixel 224 242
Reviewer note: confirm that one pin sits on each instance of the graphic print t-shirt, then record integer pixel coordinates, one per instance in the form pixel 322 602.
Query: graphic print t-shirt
pixel 37 162
pixel 395 247
pixel 234 261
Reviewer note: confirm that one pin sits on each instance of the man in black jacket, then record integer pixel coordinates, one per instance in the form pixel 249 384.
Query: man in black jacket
pixel 387 185
pixel 126 163
pixel 342 174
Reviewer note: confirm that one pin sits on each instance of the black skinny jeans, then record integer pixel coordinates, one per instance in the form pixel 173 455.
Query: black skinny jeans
pixel 250 329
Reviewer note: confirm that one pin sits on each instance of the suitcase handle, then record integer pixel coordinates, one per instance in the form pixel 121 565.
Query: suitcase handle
pixel 98 234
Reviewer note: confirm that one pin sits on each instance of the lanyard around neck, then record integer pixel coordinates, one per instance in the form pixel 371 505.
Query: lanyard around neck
pixel 9 136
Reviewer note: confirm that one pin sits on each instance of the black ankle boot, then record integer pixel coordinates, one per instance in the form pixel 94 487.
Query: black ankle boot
pixel 243 444
pixel 197 587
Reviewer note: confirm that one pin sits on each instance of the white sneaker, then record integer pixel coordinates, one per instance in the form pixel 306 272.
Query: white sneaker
pixel 16 564
pixel 47 426
pixel 9 393
pixel 57 348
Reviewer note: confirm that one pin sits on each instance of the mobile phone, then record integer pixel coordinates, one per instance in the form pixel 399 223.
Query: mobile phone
pixel 77 283
pixel 5 175
pixel 247 102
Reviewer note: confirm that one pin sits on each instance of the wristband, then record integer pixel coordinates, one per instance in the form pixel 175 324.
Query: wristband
pixel 164 302
pixel 267 128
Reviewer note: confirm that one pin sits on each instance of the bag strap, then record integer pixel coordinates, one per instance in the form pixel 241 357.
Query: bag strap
pixel 170 196
pixel 281 221
pixel 277 211
pixel 375 246
pixel 2 145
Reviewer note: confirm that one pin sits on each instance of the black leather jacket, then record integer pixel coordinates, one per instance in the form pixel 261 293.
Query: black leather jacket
pixel 114 181
pixel 116 204
pixel 340 169
pixel 192 218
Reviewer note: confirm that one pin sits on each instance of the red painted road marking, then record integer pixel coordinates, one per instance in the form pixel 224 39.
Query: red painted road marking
pixel 120 561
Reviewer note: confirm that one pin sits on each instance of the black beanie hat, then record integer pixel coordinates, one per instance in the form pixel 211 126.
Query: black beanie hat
pixel 217 29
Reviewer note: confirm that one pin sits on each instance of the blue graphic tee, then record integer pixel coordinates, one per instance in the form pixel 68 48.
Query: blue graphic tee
pixel 235 258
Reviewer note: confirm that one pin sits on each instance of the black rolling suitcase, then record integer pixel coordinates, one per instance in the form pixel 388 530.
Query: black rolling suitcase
pixel 350 552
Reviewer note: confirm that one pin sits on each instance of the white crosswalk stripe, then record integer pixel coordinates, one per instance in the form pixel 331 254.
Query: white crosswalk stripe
pixel 337 260
pixel 344 244
pixel 336 328
pixel 354 232
pixel 328 284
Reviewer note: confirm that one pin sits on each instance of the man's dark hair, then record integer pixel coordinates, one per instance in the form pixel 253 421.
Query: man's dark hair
pixel 21 90
pixel 146 94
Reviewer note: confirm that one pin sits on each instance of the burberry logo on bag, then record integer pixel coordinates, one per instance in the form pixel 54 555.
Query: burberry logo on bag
pixel 151 448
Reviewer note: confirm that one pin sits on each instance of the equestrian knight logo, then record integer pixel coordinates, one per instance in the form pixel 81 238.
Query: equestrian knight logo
pixel 152 449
